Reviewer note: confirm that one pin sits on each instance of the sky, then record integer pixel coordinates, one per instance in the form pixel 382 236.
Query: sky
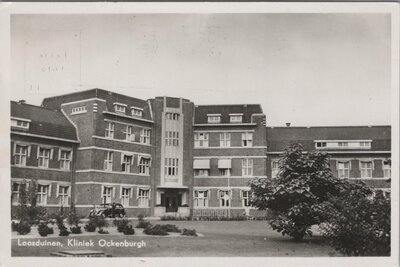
pixel 306 69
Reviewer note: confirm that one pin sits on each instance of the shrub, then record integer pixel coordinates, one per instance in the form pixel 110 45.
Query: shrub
pixel 73 218
pixel 155 230
pixel 121 224
pixel 140 217
pixel 44 230
pixel 90 227
pixel 170 228
pixel 173 218
pixel 99 222
pixel 189 232
pixel 102 231
pixel 64 232
pixel 76 230
pixel 14 226
pixel 143 224
pixel 23 228
pixel 128 230
pixel 27 210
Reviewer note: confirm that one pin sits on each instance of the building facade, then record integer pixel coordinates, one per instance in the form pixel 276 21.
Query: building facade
pixel 167 156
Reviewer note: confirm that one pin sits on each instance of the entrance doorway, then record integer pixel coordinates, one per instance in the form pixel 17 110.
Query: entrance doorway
pixel 171 201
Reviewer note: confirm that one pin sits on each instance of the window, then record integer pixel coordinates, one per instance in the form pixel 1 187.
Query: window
pixel 366 169
pixel 143 197
pixel 274 169
pixel 129 135
pixel 41 194
pixel 201 198
pixel 201 140
pixel 386 169
pixel 245 198
pixel 44 157
pixel 171 138
pixel 224 172
pixel 320 144
pixel 247 167
pixel 24 124
pixel 110 130
pixel 145 136
pixel 65 159
pixel 125 193
pixel 126 163
pixel 78 110
pixel 144 165
pixel 247 139
pixel 171 167
pixel 108 161
pixel 107 194
pixel 20 155
pixel 136 112
pixel 236 118
pixel 224 139
pixel 214 118
pixel 15 193
pixel 343 144
pixel 120 108
pixel 172 116
pixel 63 195
pixel 343 168
pixel 365 144
pixel 224 199
pixel 201 173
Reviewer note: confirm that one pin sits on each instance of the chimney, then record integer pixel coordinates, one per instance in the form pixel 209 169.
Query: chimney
pixel 288 124
pixel 21 101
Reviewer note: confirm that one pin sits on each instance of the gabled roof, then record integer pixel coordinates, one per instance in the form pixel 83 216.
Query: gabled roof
pixel 43 121
pixel 201 112
pixel 280 137
pixel 110 97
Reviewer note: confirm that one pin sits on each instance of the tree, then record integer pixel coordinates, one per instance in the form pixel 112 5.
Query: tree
pixel 299 195
pixel 27 210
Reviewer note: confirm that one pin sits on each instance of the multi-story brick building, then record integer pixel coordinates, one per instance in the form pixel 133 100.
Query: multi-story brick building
pixel 166 156
pixel 43 147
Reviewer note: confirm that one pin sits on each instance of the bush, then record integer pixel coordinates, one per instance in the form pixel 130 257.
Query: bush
pixel 64 232
pixel 44 230
pixel 27 210
pixel 76 230
pixel 170 228
pixel 121 224
pixel 73 218
pixel 174 218
pixel 99 222
pixel 189 232
pixel 143 224
pixel 102 231
pixel 14 226
pixel 23 228
pixel 90 227
pixel 128 230
pixel 155 230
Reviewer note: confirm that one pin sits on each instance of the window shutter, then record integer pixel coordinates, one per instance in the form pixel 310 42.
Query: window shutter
pixel 51 153
pixel 139 157
pixel 120 192
pixel 49 190
pixel 14 148
pixel 113 191
pixel 38 149
pixel 57 190
pixel 208 194
pixel 102 191
pixel 122 158
pixel 194 193
pixel 29 151
pixel 69 191
pixel 137 192
pixel 149 193
pixel 219 194
pixel 241 194
pixel 59 154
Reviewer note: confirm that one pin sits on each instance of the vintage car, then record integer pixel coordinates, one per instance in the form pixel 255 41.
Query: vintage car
pixel 106 210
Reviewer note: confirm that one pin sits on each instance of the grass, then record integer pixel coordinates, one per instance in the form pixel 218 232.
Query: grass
pixel 221 239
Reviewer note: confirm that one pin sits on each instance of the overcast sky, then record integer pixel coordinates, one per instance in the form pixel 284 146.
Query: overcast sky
pixel 307 69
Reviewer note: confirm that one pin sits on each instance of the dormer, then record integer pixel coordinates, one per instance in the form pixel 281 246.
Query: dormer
pixel 136 111
pixel 214 118
pixel 120 107
pixel 20 123
pixel 236 117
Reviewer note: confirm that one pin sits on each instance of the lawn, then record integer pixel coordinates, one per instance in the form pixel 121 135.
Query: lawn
pixel 221 239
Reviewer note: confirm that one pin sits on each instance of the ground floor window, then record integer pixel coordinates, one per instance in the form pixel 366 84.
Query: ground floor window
pixel 41 194
pixel 63 195
pixel 245 198
pixel 143 197
pixel 125 193
pixel 224 198
pixel 201 198
pixel 107 194
pixel 15 193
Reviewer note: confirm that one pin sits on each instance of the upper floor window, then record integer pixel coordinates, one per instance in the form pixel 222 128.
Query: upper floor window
pixel 129 135
pixel 366 168
pixel 126 163
pixel 235 118
pixel 120 108
pixel 171 138
pixel 224 139
pixel 201 140
pixel 247 139
pixel 136 111
pixel 365 144
pixel 247 167
pixel 343 144
pixel 320 144
pixel 20 123
pixel 110 126
pixel 214 118
pixel 65 159
pixel 274 169
pixel 108 161
pixel 145 136
pixel 343 168
pixel 201 198
pixel 144 165
pixel 386 169
pixel 20 155
pixel 171 167
pixel 245 198
pixel 78 110
pixel 43 157
pixel 172 116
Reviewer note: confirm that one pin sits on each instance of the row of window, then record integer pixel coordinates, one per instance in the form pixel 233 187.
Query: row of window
pixel 202 170
pixel 342 144
pixel 202 197
pixel 143 195
pixel 44 154
pixel 20 123
pixel 121 108
pixel 202 139
pixel 127 160
pixel 63 194
pixel 343 169
pixel 128 132
pixel 233 118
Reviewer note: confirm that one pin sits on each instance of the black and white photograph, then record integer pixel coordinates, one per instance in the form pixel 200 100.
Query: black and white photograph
pixel 207 131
